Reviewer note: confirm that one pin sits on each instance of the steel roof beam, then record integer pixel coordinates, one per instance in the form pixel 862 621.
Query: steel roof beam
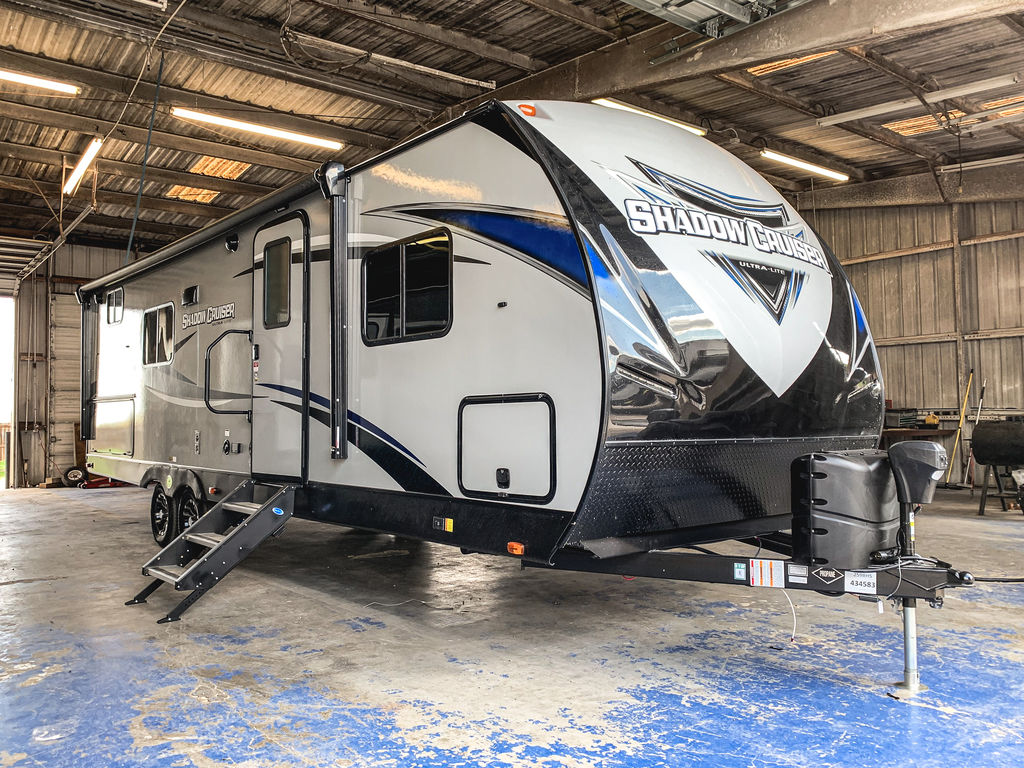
pixel 625 66
pixel 576 14
pixel 434 33
pixel 225 40
pixel 92 126
pixel 861 128
pixel 133 171
pixel 123 199
pixel 25 213
pixel 977 185
pixel 121 85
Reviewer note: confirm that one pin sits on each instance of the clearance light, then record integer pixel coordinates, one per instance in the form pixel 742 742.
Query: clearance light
pixel 528 109
pixel 804 165
pixel 264 130
pixel 516 548
pixel 614 104
pixel 38 82
pixel 83 165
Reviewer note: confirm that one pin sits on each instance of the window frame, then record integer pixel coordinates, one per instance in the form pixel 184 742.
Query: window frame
pixel 400 244
pixel 119 291
pixel 142 333
pixel 288 273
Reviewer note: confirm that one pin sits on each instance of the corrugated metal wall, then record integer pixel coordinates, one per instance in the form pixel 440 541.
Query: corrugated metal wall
pixel 911 299
pixel 48 341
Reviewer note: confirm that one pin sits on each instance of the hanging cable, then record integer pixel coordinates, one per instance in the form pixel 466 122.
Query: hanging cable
pixel 145 160
pixel 142 70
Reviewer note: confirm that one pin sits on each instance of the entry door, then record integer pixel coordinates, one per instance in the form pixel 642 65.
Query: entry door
pixel 278 400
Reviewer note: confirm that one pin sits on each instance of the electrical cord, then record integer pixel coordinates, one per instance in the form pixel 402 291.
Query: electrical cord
pixel 1001 579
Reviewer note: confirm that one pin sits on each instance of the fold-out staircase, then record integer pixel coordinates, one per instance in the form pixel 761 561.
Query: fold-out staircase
pixel 206 551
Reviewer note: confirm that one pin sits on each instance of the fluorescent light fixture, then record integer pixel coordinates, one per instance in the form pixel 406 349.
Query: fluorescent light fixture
pixel 83 165
pixel 615 104
pixel 946 93
pixel 38 82
pixel 804 165
pixel 987 163
pixel 263 130
pixel 982 124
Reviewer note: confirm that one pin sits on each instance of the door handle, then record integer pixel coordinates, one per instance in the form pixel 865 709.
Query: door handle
pixel 255 352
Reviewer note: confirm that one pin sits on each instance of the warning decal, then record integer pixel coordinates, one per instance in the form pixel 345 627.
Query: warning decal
pixel 767 573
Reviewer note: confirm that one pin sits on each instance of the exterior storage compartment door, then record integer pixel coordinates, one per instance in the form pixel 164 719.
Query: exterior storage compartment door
pixel 507 447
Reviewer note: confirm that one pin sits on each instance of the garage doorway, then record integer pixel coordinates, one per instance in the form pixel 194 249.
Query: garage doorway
pixel 6 385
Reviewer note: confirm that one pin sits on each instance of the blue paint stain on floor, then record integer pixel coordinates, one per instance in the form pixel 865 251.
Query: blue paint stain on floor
pixel 362 623
pixel 728 698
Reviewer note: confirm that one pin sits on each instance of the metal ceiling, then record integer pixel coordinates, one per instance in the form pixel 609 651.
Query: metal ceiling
pixel 254 61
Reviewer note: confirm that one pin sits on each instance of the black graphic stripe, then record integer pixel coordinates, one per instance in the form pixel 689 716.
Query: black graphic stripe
pixel 399 467
pixel 184 341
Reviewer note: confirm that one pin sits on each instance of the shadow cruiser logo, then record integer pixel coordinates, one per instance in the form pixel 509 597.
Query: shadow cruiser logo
pixel 696 210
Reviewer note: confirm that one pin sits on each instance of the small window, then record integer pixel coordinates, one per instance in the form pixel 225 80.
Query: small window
pixel 115 306
pixel 407 289
pixel 158 335
pixel 277 271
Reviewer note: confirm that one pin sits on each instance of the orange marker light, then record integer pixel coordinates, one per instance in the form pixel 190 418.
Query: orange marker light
pixel 213 491
pixel 528 109
pixel 517 549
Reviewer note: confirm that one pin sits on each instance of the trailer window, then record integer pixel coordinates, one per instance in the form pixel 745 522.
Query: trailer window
pixel 158 335
pixel 277 258
pixel 115 306
pixel 408 289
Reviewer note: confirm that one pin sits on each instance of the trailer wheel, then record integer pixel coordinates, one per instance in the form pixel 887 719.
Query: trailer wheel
pixel 74 476
pixel 188 509
pixel 161 517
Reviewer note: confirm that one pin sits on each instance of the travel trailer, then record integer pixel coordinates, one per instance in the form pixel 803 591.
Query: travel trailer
pixel 574 335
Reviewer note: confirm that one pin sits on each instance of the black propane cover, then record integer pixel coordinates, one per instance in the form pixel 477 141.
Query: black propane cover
pixel 845 512
pixel 999 443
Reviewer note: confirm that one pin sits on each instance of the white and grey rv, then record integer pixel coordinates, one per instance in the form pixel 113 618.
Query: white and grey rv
pixel 579 336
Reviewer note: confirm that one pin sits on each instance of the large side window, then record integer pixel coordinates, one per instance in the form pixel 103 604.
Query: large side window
pixel 158 335
pixel 277 287
pixel 115 306
pixel 407 289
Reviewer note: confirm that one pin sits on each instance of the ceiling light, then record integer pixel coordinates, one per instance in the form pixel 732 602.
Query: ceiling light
pixel 992 161
pixel 982 124
pixel 83 165
pixel 803 164
pixel 264 130
pixel 615 104
pixel 931 97
pixel 39 82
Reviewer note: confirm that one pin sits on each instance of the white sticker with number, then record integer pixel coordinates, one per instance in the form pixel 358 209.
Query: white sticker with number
pixel 861 582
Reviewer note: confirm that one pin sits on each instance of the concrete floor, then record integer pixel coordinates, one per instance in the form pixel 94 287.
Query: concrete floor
pixel 318 651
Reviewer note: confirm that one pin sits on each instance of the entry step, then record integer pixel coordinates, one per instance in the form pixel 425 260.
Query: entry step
pixel 208 540
pixel 244 507
pixel 168 573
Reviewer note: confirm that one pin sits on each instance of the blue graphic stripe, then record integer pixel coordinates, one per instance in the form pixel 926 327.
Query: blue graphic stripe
pixel 549 242
pixel 372 428
pixel 294 392
pixel 353 417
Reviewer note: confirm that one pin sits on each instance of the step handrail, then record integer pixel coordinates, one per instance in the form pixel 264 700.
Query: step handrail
pixel 206 382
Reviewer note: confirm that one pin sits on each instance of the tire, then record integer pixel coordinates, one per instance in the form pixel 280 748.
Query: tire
pixel 188 510
pixel 74 476
pixel 162 517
